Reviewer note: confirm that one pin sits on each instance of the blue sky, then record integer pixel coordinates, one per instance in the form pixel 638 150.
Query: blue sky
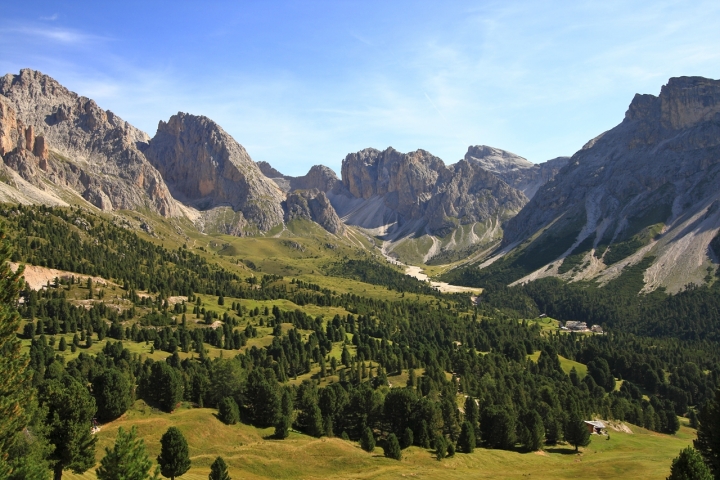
pixel 305 82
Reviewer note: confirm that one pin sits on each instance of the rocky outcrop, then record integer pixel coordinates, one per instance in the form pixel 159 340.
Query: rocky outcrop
pixel 82 147
pixel 467 193
pixel 319 177
pixel 313 205
pixel 642 188
pixel 206 168
pixel 419 188
pixel 515 170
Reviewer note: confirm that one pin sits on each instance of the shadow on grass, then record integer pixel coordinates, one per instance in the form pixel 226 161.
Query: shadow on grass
pixel 562 451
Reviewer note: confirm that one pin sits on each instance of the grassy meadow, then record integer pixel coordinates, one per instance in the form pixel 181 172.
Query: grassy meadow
pixel 252 454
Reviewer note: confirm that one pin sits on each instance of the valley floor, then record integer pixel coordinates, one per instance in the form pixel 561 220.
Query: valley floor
pixel 252 454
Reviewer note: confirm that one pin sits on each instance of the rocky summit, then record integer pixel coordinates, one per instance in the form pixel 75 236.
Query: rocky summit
pixel 206 168
pixel 56 140
pixel 515 170
pixel 646 189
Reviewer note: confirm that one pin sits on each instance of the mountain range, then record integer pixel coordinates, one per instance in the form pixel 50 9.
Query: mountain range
pixel 643 193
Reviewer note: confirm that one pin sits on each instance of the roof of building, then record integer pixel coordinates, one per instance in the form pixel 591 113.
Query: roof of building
pixel 595 423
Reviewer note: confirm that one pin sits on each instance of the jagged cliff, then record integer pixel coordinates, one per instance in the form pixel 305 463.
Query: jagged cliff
pixel 647 188
pixel 515 170
pixel 313 205
pixel 206 168
pixel 71 143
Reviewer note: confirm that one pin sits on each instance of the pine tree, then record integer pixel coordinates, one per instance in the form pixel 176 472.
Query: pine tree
pixel 174 459
pixel 70 410
pixel 577 433
pixel 228 411
pixel 367 440
pixel 128 460
pixel 472 412
pixel 285 417
pixel 689 465
pixel 440 447
pixel 407 438
pixel 534 433
pixel 392 448
pixel 218 470
pixel 113 394
pixel 466 441
pixel 708 434
pixel 15 389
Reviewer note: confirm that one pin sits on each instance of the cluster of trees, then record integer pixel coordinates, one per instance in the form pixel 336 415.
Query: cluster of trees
pixel 448 349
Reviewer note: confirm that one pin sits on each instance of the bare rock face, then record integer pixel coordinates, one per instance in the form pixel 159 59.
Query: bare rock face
pixel 404 181
pixel 644 186
pixel 205 167
pixel 96 153
pixel 319 177
pixel 10 129
pixel 514 169
pixel 313 205
pixel 468 193
pixel 419 188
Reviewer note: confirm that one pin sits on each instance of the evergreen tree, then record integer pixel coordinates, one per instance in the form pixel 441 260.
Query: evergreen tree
pixel 392 447
pixel 466 441
pixel 62 346
pixel 28 454
pixel 174 459
pixel 228 411
pixel 128 460
pixel 708 434
pixel 218 470
pixel 407 438
pixel 113 394
pixel 534 431
pixel 497 428
pixel 70 410
pixel 15 388
pixel 689 465
pixel 576 432
pixel 423 439
pixel 285 417
pixel 472 412
pixel 367 440
pixel 440 447
pixel 164 386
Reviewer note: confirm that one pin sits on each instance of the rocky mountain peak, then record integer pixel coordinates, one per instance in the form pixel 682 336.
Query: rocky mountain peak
pixel 405 180
pixel 683 102
pixel 496 160
pixel 89 150
pixel 206 168
pixel 513 169
pixel 643 187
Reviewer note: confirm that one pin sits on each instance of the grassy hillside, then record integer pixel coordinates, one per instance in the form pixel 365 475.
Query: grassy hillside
pixel 251 454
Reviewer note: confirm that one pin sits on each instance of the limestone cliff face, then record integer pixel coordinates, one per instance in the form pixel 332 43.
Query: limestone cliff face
pixel 418 186
pixel 643 187
pixel 76 144
pixel 205 167
pixel 515 170
pixel 404 181
pixel 313 205
pixel 467 193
